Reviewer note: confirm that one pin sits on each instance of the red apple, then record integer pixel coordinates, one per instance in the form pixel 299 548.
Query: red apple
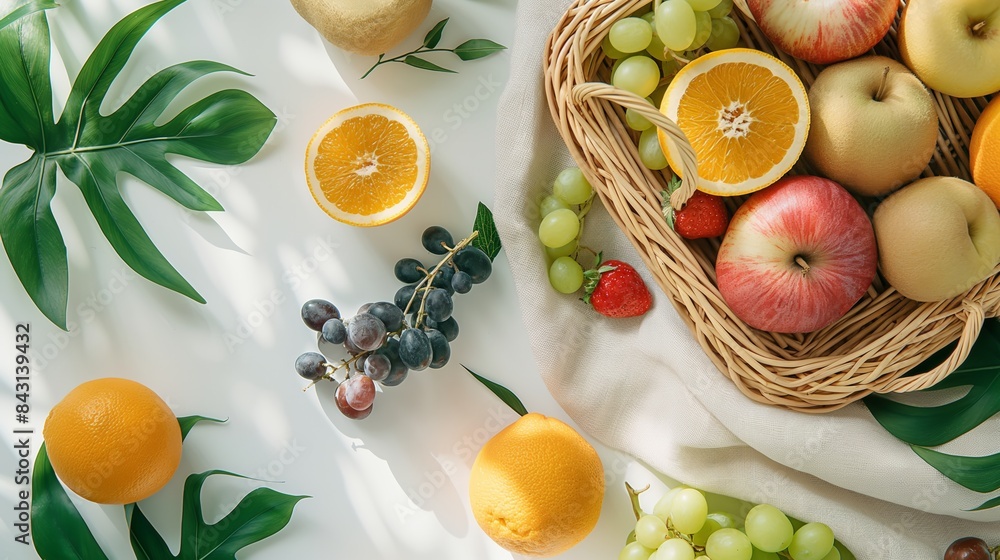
pixel 824 31
pixel 797 256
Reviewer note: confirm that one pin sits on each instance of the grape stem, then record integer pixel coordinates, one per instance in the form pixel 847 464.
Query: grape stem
pixel 425 285
pixel 633 496
pixel 344 364
pixel 581 215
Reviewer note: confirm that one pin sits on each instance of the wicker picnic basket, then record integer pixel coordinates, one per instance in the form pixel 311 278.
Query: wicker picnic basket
pixel 871 350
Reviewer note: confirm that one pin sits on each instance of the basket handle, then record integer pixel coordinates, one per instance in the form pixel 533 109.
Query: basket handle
pixel 974 319
pixel 688 172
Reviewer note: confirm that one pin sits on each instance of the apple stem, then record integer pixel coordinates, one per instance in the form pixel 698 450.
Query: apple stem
pixel 881 88
pixel 802 263
pixel 976 28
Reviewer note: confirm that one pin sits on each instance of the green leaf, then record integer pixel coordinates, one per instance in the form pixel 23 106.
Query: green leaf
pixel 188 422
pixel 146 543
pixel 935 425
pixel 433 36
pixel 93 149
pixel 260 514
pixel 477 48
pixel 31 236
pixel 980 474
pixel 26 9
pixel 418 62
pixel 58 531
pixel 488 239
pixel 26 95
pixel 988 504
pixel 505 394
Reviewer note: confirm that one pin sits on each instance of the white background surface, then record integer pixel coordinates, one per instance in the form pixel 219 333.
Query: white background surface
pixel 393 486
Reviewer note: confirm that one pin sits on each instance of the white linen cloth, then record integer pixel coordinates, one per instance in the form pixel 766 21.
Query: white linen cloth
pixel 644 386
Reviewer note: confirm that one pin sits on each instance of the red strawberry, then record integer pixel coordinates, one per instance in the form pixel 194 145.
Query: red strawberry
pixel 704 215
pixel 616 290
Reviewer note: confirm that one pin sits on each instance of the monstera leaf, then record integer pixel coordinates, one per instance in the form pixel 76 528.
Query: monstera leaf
pixel 92 148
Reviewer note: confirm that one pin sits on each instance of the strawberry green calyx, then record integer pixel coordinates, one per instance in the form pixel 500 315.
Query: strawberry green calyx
pixel 592 277
pixel 669 214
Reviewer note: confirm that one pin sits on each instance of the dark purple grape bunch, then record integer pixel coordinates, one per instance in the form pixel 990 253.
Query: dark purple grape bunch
pixel 388 340
pixel 971 548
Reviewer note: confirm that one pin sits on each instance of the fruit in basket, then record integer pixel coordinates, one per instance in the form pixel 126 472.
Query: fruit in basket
pixel 937 238
pixel 536 488
pixel 824 32
pixel 630 35
pixel 638 74
pixel 874 125
pixel 113 441
pixel 745 113
pixel 368 165
pixel 953 46
pixel 797 256
pixel 703 215
pixel 676 24
pixel 367 27
pixel 616 290
pixel 984 151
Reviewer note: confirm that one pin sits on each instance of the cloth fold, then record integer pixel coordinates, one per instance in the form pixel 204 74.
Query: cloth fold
pixel 645 387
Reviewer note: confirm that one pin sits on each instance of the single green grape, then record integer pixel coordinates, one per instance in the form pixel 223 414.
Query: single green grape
pixel 703 5
pixel 729 544
pixel 566 275
pixel 722 9
pixel 638 74
pixel 572 187
pixel 703 32
pixel 676 24
pixel 635 551
pixel 550 204
pixel 650 153
pixel 759 554
pixel 610 51
pixel 725 34
pixel 631 34
pixel 650 531
pixel 656 48
pixel 725 519
pixel 662 507
pixel 834 554
pixel 813 541
pixel 689 511
pixel 566 250
pixel 710 526
pixel 637 122
pixel 768 528
pixel 559 228
pixel 675 549
pixel 648 18
pixel 657 96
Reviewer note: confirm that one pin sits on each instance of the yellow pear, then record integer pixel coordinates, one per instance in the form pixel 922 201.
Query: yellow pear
pixel 366 27
pixel 937 237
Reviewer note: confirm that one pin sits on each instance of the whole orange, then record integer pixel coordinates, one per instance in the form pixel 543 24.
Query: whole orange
pixel 984 151
pixel 113 441
pixel 536 488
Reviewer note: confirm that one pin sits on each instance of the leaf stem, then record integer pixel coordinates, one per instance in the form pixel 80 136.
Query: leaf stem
pixel 400 58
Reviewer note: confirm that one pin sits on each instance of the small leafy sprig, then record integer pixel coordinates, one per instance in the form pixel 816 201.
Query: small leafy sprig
pixel 470 50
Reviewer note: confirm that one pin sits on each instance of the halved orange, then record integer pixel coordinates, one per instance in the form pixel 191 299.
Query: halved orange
pixel 746 115
pixel 368 165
